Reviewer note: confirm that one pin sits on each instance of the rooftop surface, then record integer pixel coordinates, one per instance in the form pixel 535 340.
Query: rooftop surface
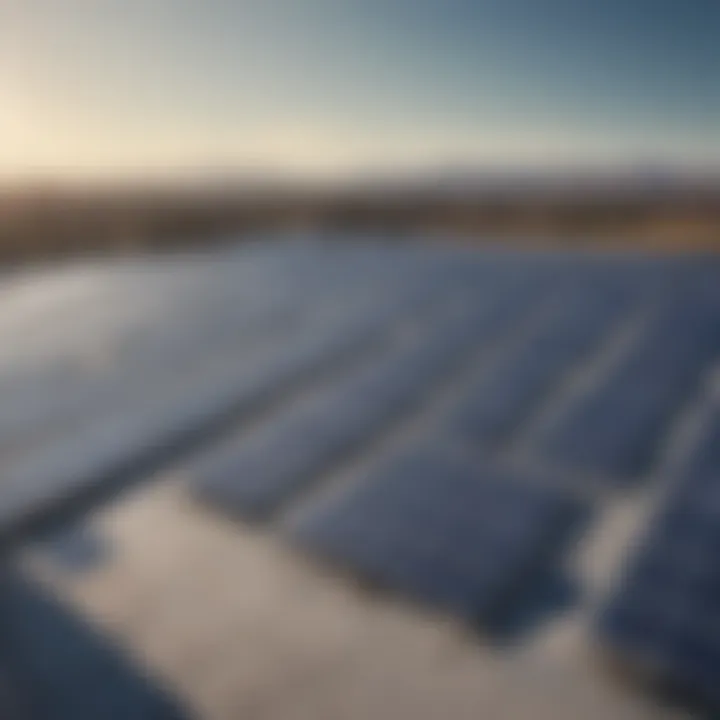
pixel 297 479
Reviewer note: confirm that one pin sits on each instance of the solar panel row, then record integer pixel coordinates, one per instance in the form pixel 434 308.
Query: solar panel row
pixel 469 539
pixel 617 427
pixel 666 613
pixel 498 403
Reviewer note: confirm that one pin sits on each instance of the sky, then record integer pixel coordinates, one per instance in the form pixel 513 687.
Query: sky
pixel 97 87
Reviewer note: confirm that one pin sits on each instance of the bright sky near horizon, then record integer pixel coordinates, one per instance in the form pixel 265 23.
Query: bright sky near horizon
pixel 118 86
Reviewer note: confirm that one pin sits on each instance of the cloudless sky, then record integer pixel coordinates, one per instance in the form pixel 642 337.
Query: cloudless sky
pixel 335 85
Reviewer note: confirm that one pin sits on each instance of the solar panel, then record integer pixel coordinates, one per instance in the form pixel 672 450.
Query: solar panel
pixel 616 428
pixel 60 669
pixel 664 617
pixel 468 539
pixel 499 401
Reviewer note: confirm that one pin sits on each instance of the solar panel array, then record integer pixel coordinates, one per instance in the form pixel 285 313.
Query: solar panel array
pixel 442 422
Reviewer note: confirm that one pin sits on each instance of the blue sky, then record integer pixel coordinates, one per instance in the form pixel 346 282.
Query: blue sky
pixel 339 85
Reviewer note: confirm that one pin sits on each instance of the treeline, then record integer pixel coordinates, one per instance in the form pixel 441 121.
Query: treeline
pixel 52 223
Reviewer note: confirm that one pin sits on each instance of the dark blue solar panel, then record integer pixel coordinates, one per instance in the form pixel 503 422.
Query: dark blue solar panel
pixel 252 479
pixel 617 427
pixel 410 374
pixel 500 401
pixel 14 705
pixel 445 533
pixel 666 613
pixel 60 669
pixel 703 461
